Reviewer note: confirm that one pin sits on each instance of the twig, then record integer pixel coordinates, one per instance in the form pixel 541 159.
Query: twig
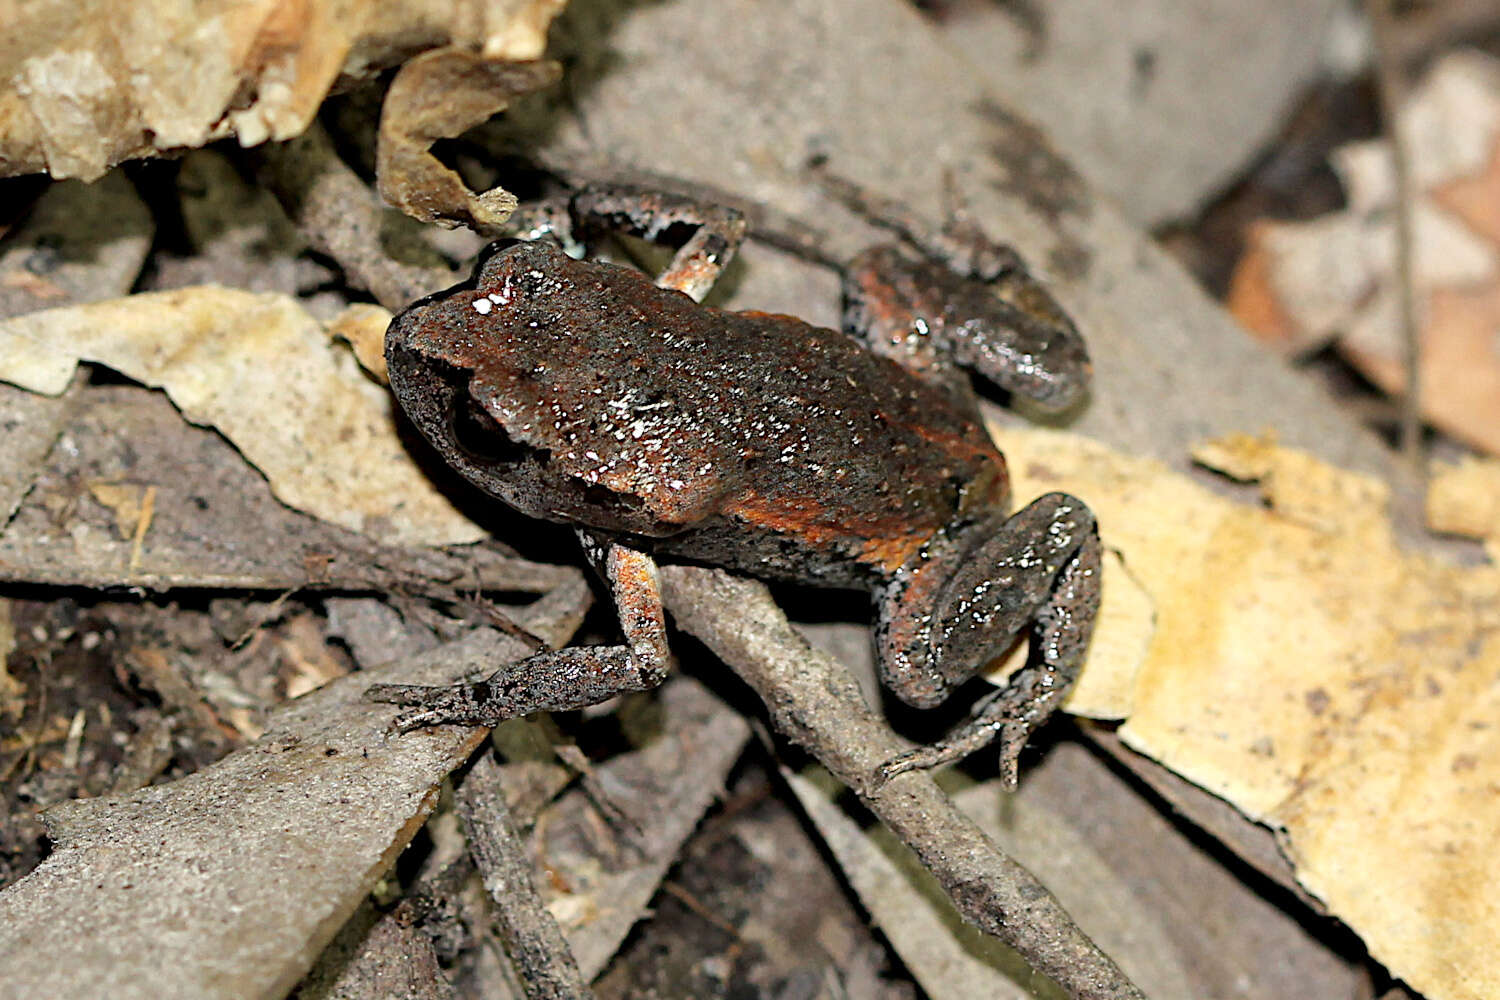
pixel 697 905
pixel 1391 88
pixel 339 215
pixel 433 904
pixel 543 962
pixel 816 703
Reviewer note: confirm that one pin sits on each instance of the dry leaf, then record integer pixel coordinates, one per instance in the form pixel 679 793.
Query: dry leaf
pixel 308 661
pixel 261 371
pixel 124 499
pixel 1301 284
pixel 12 691
pixel 1464 499
pixel 1327 682
pixel 362 326
pixel 98 85
pixel 227 883
pixel 439 95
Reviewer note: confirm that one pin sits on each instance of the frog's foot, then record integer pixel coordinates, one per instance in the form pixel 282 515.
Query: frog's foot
pixel 964 605
pixel 957 745
pixel 559 680
pixel 968 299
pixel 1005 717
pixel 456 704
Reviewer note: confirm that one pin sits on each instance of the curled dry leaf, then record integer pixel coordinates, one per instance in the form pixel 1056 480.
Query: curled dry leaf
pixel 439 95
pixel 1302 284
pixel 105 87
pixel 259 369
pixel 1321 678
pixel 362 326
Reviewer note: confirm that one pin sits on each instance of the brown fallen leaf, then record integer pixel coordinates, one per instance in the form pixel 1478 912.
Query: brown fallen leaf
pixel 308 661
pixel 362 326
pixel 1320 677
pixel 439 95
pixel 1303 284
pixel 257 368
pixel 227 883
pixel 1464 499
pixel 12 691
pixel 124 499
pixel 102 88
pixel 216 524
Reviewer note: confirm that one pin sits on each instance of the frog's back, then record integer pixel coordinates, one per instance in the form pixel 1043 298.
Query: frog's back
pixel 749 440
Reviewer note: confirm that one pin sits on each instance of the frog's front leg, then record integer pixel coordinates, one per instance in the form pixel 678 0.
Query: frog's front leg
pixel 563 679
pixel 654 216
pixel 953 614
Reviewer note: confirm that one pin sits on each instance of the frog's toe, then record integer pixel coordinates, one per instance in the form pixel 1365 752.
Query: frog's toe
pixel 911 760
pixel 432 706
pixel 925 758
pixel 962 742
pixel 395 694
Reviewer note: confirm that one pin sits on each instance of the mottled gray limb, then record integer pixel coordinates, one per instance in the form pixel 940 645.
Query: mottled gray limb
pixel 1041 569
pixel 558 680
pixel 718 231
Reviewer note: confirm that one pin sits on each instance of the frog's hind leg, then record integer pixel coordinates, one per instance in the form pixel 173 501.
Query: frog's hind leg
pixel 960 244
pixel 654 215
pixel 967 299
pixel 563 679
pixel 1040 568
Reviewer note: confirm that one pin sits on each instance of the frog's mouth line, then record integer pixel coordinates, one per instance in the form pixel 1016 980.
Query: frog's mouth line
pixel 481 437
pixel 483 444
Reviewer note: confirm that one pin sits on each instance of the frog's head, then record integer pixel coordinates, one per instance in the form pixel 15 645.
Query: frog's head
pixel 455 359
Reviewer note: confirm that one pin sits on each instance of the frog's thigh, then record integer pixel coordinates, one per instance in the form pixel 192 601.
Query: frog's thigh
pixel 635 583
pixel 943 622
pixel 1022 574
pixel 1043 567
pixel 904 625
pixel 1020 338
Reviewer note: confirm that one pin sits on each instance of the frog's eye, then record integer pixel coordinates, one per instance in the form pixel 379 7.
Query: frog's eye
pixel 480 436
pixel 497 248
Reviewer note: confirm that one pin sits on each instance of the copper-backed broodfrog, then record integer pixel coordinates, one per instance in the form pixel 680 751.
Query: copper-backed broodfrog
pixel 580 391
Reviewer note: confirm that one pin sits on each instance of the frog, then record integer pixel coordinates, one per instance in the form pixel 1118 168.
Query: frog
pixel 581 391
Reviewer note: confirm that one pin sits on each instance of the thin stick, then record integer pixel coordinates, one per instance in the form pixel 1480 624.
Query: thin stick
pixel 815 702
pixel 1391 88
pixel 339 215
pixel 544 963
